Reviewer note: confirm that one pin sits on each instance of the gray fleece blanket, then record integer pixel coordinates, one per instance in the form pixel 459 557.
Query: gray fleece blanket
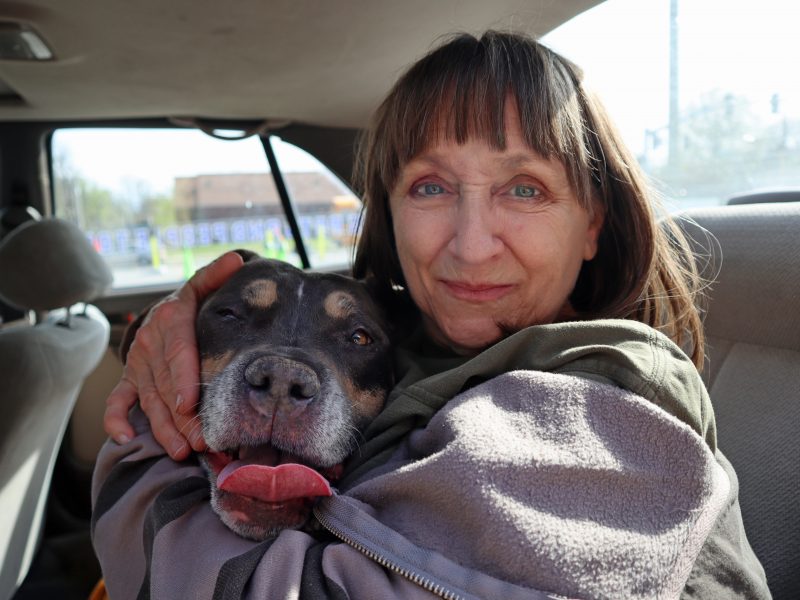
pixel 590 491
pixel 531 485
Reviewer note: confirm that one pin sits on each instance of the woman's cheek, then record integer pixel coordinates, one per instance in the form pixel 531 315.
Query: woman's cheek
pixel 415 232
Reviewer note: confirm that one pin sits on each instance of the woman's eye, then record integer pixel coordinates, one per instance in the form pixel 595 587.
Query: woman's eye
pixel 525 191
pixel 360 338
pixel 429 189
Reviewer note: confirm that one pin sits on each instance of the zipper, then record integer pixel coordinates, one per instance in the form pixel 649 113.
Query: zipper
pixel 415 578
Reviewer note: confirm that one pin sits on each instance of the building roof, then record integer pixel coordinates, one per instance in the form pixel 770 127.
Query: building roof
pixel 236 190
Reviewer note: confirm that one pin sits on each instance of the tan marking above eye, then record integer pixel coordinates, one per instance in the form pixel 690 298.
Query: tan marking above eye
pixel 261 293
pixel 211 366
pixel 338 304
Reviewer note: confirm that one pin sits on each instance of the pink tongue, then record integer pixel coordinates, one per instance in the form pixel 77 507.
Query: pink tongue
pixel 273 484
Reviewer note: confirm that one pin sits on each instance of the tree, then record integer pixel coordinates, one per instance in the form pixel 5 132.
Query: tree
pixel 726 147
pixel 83 202
pixel 100 209
pixel 158 210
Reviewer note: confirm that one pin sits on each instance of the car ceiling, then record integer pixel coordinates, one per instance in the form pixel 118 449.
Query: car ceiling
pixel 319 62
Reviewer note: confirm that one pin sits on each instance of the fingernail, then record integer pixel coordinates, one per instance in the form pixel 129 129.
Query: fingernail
pixel 178 447
pixel 178 401
pixel 121 438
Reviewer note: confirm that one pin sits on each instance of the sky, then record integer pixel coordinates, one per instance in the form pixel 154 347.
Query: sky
pixel 112 157
pixel 744 47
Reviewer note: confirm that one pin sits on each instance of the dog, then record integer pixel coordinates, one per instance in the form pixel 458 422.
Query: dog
pixel 293 365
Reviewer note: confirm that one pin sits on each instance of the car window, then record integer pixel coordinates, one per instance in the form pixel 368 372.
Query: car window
pixel 160 203
pixel 327 209
pixel 704 92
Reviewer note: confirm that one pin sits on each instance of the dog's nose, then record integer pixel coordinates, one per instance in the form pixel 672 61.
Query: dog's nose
pixel 282 379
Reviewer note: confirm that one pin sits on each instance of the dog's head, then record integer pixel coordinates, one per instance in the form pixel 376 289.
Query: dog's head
pixel 293 366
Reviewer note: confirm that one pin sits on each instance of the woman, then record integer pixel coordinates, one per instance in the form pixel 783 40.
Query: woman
pixel 546 436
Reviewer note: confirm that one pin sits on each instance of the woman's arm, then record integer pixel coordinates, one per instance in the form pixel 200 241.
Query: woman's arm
pixel 162 366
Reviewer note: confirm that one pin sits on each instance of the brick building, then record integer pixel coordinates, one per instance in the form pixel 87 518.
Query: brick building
pixel 254 194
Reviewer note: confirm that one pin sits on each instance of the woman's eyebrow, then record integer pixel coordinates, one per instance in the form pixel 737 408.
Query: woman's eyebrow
pixel 522 160
pixel 516 161
pixel 426 159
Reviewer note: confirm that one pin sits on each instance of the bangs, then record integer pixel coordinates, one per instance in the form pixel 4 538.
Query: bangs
pixel 460 91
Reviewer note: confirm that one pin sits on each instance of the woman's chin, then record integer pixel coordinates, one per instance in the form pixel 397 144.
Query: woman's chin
pixel 468 338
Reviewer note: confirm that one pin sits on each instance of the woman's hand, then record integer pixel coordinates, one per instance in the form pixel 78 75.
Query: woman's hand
pixel 162 366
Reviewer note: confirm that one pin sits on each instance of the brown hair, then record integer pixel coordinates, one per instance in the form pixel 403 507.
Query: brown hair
pixel 643 269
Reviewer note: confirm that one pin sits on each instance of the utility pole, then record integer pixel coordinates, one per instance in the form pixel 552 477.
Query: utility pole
pixel 674 108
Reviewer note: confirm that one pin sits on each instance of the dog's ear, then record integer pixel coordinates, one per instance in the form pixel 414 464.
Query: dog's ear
pixel 247 255
pixel 396 308
pixel 130 331
pixel 374 289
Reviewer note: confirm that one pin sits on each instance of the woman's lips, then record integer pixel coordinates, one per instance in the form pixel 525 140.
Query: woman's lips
pixel 476 292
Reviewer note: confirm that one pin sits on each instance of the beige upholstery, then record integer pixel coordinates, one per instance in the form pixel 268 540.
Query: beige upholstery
pixel 753 327
pixel 45 264
pixel 50 264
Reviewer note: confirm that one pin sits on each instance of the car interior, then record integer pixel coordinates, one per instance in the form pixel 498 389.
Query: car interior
pixel 90 89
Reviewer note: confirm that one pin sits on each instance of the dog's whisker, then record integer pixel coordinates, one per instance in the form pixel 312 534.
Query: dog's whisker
pixel 354 437
pixel 191 425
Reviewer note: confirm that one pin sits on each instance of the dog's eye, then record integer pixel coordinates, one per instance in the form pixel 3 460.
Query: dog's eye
pixel 227 313
pixel 360 338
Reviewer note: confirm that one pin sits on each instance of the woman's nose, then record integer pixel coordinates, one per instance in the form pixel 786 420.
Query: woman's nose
pixel 475 234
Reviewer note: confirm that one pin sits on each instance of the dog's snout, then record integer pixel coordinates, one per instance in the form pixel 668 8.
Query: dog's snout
pixel 281 379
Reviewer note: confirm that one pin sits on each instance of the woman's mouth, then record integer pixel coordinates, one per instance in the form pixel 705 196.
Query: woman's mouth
pixel 476 292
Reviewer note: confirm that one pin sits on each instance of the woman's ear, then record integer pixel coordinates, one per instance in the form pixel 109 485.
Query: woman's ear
pixel 597 216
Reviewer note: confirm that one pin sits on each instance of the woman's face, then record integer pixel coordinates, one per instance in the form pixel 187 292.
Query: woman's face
pixel 490 241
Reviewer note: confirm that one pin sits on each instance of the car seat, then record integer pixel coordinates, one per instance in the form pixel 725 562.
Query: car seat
pixel 11 217
pixel 769 196
pixel 753 373
pixel 47 268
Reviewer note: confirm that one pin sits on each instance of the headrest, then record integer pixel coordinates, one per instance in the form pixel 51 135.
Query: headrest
pixel 766 196
pixel 50 264
pixel 754 298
